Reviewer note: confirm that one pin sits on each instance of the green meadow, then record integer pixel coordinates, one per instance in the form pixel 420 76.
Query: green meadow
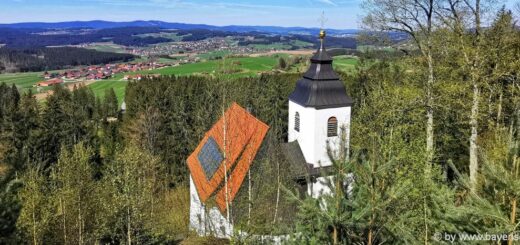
pixel 100 87
pixel 345 63
pixel 245 66
pixel 170 35
pixel 265 47
pixel 237 67
pixel 366 48
pixel 24 81
pixel 214 54
pixel 108 47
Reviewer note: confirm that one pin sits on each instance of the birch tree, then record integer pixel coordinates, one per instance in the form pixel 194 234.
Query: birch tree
pixel 464 19
pixel 132 181
pixel 73 192
pixel 35 215
pixel 415 18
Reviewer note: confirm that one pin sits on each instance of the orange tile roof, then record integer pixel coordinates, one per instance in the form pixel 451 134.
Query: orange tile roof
pixel 243 134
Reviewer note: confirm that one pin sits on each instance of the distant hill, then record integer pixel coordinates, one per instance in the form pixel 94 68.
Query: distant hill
pixel 26 37
pixel 32 36
pixel 100 24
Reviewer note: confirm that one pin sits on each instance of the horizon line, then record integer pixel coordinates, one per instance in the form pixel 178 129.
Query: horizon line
pixel 140 20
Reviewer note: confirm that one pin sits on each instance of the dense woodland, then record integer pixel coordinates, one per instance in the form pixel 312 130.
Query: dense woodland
pixel 32 38
pixel 29 38
pixel 434 147
pixel 46 59
pixel 337 42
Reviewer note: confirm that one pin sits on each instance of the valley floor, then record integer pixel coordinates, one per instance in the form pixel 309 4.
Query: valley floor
pixel 252 65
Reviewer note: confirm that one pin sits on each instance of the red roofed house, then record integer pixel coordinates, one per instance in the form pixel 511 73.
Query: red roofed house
pixel 137 77
pixel 229 147
pixel 49 82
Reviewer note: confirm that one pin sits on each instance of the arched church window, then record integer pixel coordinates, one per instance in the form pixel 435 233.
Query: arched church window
pixel 332 127
pixel 297 122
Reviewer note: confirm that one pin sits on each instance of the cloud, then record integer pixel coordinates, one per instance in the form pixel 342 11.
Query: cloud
pixel 178 4
pixel 329 2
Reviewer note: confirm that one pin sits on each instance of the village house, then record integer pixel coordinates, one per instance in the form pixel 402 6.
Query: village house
pixel 95 72
pixel 137 77
pixel 50 82
pixel 47 75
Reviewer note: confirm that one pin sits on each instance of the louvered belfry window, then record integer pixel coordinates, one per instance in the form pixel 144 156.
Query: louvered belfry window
pixel 297 122
pixel 332 127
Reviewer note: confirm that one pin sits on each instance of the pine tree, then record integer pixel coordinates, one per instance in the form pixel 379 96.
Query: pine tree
pixel 10 207
pixel 9 119
pixel 282 64
pixel 492 207
pixel 328 217
pixel 57 127
pixel 110 103
pixel 26 133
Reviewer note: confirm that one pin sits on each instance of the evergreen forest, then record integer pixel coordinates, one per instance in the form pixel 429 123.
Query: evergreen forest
pixel 434 146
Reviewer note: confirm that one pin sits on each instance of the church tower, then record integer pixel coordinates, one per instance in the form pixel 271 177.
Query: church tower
pixel 318 108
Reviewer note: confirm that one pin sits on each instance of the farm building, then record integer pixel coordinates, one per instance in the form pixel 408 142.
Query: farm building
pixel 137 77
pixel 50 82
pixel 234 150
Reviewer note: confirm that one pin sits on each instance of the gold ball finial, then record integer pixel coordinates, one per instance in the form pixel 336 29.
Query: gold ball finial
pixel 322 34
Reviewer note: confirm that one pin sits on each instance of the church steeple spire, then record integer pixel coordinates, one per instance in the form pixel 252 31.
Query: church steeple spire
pixel 321 51
pixel 320 86
pixel 321 55
pixel 321 64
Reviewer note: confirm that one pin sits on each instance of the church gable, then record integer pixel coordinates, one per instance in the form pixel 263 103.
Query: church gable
pixel 229 147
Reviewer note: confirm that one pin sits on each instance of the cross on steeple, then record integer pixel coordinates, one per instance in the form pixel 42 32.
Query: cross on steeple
pixel 322 21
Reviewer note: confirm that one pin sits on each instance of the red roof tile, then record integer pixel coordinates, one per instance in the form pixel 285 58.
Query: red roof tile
pixel 243 136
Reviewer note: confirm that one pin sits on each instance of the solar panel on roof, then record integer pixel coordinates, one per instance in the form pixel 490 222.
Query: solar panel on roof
pixel 206 160
pixel 210 158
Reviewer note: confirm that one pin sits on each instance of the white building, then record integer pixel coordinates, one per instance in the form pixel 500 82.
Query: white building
pixel 318 109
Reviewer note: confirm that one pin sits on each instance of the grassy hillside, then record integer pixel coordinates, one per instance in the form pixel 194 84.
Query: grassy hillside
pixel 24 81
pixel 100 87
pixel 237 67
pixel 345 63
pixel 108 47
pixel 214 54
pixel 245 66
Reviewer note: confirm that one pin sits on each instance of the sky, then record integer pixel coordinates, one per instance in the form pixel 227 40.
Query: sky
pixel 340 14
pixel 306 13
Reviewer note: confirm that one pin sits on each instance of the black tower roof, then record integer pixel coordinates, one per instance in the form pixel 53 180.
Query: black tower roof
pixel 320 86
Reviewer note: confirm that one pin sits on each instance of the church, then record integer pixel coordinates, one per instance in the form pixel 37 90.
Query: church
pixel 319 109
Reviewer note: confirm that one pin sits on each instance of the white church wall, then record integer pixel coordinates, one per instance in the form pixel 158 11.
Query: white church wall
pixel 321 158
pixel 306 136
pixel 205 222
pixel 320 187
pixel 214 223
pixel 312 136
